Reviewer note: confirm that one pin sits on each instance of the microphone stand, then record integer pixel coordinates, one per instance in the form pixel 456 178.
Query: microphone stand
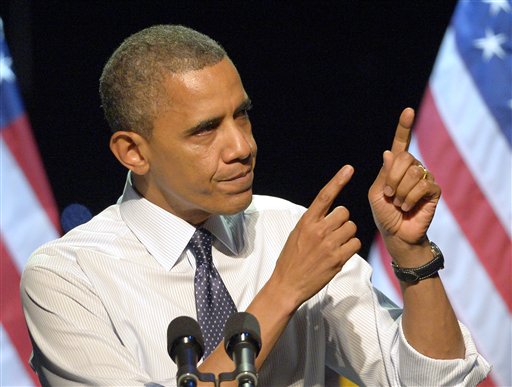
pixel 190 379
pixel 243 355
pixel 245 379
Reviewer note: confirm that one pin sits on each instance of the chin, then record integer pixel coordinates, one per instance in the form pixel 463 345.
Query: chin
pixel 236 204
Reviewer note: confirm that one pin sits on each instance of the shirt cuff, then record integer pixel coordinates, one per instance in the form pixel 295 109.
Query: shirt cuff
pixel 413 366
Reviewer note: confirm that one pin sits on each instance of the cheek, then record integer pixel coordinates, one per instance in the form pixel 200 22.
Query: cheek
pixel 197 171
pixel 189 180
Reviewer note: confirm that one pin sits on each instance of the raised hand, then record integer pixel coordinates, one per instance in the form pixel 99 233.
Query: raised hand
pixel 320 244
pixel 404 195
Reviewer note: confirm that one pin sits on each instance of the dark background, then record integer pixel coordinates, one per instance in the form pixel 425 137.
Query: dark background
pixel 328 81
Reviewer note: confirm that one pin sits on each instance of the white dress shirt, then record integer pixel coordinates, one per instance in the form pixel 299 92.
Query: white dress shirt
pixel 98 302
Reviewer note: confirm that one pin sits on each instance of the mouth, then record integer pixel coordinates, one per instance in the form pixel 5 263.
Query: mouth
pixel 239 182
pixel 241 175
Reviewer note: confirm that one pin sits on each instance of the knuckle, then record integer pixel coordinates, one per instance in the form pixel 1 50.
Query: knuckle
pixel 303 221
pixel 409 157
pixel 352 227
pixel 354 245
pixel 350 248
pixel 318 232
pixel 405 156
pixel 324 196
pixel 330 244
pixel 357 244
pixel 343 212
pixel 416 172
pixel 423 184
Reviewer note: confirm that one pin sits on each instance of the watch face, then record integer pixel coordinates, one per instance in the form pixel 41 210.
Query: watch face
pixel 435 250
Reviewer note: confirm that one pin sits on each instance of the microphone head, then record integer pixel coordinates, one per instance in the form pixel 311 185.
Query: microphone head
pixel 242 323
pixel 185 328
pixel 74 215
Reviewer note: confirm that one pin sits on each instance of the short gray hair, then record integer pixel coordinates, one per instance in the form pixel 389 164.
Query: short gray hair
pixel 131 85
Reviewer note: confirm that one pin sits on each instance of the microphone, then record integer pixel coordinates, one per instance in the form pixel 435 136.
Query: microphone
pixel 242 343
pixel 185 347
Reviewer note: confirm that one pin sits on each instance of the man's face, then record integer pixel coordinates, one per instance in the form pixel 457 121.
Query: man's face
pixel 202 153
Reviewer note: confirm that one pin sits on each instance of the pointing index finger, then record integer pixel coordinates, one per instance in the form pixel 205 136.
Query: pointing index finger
pixel 403 131
pixel 323 201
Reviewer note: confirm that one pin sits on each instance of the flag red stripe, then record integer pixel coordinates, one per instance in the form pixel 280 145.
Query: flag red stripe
pixel 18 137
pixel 386 263
pixel 487 382
pixel 480 225
pixel 11 310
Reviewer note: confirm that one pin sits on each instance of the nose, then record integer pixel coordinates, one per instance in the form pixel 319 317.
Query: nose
pixel 240 144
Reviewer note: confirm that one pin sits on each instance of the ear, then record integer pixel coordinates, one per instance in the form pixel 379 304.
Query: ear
pixel 130 149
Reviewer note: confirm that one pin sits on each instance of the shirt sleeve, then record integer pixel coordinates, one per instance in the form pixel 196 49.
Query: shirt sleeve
pixel 365 341
pixel 73 341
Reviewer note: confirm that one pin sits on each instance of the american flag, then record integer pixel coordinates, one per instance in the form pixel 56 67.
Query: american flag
pixel 28 218
pixel 463 134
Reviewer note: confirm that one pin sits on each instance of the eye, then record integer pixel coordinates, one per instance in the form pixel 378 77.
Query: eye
pixel 203 131
pixel 205 128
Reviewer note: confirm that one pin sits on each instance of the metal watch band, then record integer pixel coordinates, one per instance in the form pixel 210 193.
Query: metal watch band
pixel 415 274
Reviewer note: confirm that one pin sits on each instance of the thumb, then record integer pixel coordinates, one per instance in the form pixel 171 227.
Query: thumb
pixel 380 181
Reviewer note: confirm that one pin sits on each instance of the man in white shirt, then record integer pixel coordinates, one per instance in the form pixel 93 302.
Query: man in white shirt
pixel 98 301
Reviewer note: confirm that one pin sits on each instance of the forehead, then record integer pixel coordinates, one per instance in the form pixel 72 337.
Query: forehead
pixel 212 87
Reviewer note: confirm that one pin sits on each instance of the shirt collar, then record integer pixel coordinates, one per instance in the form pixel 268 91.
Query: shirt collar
pixel 165 235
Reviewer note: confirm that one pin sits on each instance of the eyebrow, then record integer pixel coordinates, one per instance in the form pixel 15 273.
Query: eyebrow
pixel 213 122
pixel 245 105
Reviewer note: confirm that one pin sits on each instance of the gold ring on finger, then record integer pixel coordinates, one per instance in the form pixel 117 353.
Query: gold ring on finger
pixel 425 171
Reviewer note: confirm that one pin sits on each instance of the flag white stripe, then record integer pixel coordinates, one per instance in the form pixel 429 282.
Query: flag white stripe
pixel 13 372
pixel 473 129
pixel 21 238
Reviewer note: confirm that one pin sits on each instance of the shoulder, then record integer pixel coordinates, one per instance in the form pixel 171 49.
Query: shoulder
pixel 104 232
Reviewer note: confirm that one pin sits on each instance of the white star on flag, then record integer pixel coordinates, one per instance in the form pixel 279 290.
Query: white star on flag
pixel 497 5
pixel 491 44
pixel 5 69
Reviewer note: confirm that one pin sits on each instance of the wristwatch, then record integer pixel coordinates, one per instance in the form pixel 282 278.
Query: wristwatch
pixel 415 274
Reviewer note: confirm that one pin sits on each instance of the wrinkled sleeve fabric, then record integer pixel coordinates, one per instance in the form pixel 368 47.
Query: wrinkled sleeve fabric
pixel 366 343
pixel 73 340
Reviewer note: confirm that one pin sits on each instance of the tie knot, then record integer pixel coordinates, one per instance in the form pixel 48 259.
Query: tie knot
pixel 201 245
